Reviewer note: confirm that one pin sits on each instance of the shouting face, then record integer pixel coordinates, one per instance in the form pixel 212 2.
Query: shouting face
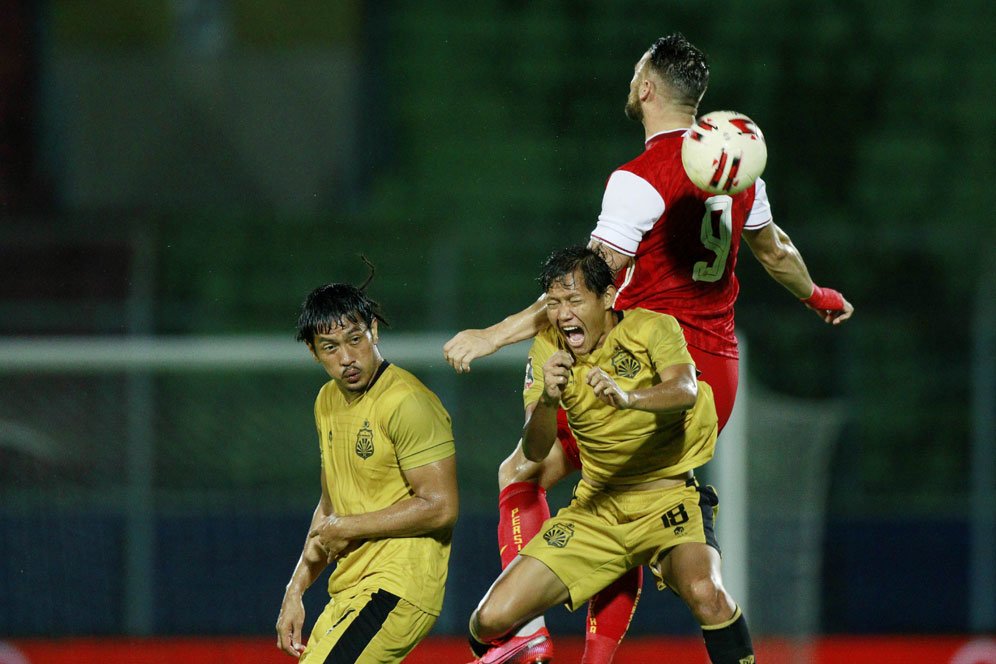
pixel 581 316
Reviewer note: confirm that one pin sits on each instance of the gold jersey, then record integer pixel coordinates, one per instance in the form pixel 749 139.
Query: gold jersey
pixel 397 425
pixel 625 447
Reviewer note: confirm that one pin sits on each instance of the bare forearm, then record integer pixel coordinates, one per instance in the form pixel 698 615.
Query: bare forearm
pixel 410 517
pixel 540 431
pixel 468 345
pixel 520 326
pixel 432 506
pixel 677 390
pixel 671 397
pixel 790 271
pixel 781 259
pixel 775 251
pixel 312 561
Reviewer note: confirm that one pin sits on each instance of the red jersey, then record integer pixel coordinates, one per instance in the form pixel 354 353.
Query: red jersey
pixel 684 242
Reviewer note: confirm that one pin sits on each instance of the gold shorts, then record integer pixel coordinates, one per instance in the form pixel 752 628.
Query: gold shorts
pixel 368 626
pixel 603 533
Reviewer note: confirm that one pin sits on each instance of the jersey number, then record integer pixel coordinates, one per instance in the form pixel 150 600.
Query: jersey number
pixel 719 216
pixel 675 516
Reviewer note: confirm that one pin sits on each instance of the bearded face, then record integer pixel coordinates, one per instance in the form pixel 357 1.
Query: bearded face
pixel 633 109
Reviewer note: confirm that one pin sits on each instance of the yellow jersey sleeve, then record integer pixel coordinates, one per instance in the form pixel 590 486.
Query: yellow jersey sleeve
pixel 665 342
pixel 421 430
pixel 318 424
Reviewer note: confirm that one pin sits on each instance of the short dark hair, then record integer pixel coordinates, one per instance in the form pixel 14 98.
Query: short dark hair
pixel 681 65
pixel 596 272
pixel 330 306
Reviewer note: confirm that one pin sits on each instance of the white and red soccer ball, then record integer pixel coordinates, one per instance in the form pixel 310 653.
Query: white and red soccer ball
pixel 724 152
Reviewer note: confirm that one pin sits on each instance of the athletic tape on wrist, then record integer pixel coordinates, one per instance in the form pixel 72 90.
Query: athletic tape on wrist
pixel 826 299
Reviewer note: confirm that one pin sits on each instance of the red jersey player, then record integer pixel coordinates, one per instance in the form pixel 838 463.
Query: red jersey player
pixel 679 247
pixel 673 248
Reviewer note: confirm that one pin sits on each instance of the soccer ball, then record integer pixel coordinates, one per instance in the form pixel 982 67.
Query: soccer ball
pixel 724 152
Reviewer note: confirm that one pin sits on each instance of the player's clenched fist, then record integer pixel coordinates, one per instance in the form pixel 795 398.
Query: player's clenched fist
pixel 607 390
pixel 331 539
pixel 556 374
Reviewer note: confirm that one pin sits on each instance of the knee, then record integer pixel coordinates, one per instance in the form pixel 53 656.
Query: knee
pixel 516 468
pixel 708 600
pixel 490 622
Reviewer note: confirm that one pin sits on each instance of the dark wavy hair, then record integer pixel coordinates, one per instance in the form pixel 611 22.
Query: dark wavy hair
pixel 682 66
pixel 562 263
pixel 332 305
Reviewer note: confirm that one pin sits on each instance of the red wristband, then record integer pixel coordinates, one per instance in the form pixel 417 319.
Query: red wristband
pixel 825 299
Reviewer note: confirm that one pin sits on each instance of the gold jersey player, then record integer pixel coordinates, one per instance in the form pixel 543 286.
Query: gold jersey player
pixel 674 249
pixel 388 495
pixel 643 423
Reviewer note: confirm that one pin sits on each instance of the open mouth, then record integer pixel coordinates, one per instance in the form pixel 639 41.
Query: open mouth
pixel 351 375
pixel 574 336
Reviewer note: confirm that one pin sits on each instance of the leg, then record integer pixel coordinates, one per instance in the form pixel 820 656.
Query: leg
pixel 522 506
pixel 371 626
pixel 577 553
pixel 524 590
pixel 517 468
pixel 693 571
pixel 609 614
pixel 522 509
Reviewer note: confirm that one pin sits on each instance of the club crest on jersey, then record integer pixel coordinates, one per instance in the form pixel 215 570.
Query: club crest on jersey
pixel 529 373
pixel 625 364
pixel 559 535
pixel 365 441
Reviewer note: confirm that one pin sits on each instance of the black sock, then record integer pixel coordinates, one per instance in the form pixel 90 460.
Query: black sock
pixel 729 643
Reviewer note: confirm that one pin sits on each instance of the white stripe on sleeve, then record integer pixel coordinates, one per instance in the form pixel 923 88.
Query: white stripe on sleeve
pixel 630 207
pixel 760 214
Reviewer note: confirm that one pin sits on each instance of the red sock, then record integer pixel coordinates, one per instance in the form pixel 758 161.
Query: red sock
pixel 522 509
pixel 609 613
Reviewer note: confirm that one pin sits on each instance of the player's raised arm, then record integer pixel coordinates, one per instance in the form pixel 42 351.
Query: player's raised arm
pixel 782 260
pixel 468 345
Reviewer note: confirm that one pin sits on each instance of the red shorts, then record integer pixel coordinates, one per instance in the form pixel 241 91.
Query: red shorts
pixel 567 439
pixel 720 372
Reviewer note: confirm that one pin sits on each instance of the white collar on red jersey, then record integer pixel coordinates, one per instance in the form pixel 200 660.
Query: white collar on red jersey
pixel 662 133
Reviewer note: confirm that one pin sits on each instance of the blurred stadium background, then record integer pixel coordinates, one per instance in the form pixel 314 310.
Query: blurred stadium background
pixel 175 175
